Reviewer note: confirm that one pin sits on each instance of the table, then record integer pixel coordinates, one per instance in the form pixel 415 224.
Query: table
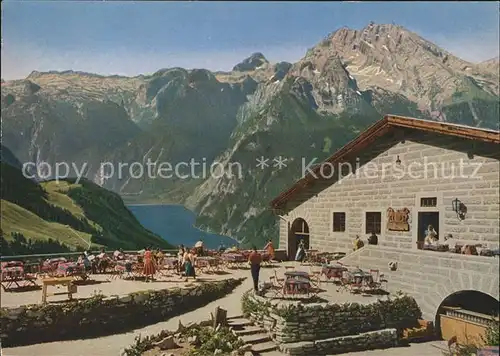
pixel 333 271
pixel 65 281
pixel 71 269
pixel 297 286
pixel 297 275
pixel 233 259
pixel 207 263
pixel 14 275
pixel 362 279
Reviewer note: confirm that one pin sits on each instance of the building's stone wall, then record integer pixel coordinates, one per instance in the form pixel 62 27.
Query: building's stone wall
pixel 99 316
pixel 371 190
pixel 324 328
pixel 380 339
pixel 430 276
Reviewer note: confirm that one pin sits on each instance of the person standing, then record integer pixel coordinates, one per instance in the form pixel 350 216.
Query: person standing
pixel 255 259
pixel 149 265
pixel 180 259
pixel 189 263
pixel 269 248
pixel 301 252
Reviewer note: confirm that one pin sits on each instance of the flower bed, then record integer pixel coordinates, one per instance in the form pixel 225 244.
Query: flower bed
pixel 199 339
pixel 99 316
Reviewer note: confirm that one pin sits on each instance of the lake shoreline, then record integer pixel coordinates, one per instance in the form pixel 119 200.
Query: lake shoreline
pixel 177 224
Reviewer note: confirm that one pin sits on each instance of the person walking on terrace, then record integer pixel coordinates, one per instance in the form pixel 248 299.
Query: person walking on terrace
pixel 254 260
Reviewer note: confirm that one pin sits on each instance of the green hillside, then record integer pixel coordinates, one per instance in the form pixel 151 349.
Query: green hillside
pixel 60 216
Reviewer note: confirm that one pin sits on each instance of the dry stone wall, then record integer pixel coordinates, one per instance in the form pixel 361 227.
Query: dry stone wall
pixel 322 328
pixel 99 316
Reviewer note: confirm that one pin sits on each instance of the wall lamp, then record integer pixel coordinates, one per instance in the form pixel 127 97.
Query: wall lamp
pixel 459 208
pixel 398 161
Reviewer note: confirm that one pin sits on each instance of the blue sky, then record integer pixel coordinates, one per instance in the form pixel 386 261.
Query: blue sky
pixel 140 37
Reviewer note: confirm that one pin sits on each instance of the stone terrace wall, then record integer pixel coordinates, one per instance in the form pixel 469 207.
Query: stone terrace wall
pixel 310 323
pixel 430 276
pixel 380 339
pixel 99 316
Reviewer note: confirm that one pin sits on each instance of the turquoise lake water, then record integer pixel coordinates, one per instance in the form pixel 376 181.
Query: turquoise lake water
pixel 176 225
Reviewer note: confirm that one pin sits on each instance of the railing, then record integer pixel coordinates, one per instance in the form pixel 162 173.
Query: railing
pixel 45 256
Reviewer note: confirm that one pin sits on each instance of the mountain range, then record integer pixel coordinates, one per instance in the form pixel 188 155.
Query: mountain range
pixel 284 112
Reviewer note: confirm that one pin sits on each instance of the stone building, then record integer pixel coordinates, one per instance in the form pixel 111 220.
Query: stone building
pixel 395 179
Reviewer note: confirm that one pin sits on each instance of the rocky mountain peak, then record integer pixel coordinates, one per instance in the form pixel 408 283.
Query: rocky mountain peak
pixel 253 62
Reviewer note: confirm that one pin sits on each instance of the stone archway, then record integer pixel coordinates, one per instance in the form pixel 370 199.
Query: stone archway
pixel 471 302
pixel 298 230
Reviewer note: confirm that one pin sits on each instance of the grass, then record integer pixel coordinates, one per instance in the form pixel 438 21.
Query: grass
pixel 71 213
pixel 18 219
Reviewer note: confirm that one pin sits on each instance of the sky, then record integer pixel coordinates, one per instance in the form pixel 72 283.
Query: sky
pixel 131 38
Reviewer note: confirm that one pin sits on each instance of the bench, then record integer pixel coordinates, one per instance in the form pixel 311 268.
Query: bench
pixel 64 281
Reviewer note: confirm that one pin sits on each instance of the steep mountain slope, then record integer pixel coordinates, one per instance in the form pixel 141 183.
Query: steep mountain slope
pixel 305 109
pixel 74 215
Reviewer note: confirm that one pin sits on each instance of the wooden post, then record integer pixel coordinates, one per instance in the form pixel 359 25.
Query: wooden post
pixel 219 317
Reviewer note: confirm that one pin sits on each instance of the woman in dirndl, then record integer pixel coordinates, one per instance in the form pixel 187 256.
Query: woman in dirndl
pixel 149 265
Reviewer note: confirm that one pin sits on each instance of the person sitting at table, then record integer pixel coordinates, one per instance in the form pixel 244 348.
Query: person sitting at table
pixel 301 252
pixel 270 249
pixel 189 261
pixel 450 242
pixel 102 261
pixel 373 239
pixel 149 265
pixel 357 243
pixel 118 255
pixel 83 260
pixel 254 260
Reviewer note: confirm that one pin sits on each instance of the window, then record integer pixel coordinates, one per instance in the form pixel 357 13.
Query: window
pixel 428 202
pixel 338 222
pixel 373 222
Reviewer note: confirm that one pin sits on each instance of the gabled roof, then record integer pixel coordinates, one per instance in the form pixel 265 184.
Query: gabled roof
pixel 388 123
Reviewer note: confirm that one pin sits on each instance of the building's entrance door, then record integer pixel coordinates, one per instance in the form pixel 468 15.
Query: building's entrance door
pixel 424 220
pixel 299 231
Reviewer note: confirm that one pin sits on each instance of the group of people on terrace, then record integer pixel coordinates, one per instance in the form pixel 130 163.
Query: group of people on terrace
pixel 432 242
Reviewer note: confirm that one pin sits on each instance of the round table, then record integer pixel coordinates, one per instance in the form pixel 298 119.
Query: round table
pixel 297 275
pixel 333 271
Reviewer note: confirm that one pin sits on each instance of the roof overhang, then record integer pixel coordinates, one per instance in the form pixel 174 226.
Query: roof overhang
pixel 380 128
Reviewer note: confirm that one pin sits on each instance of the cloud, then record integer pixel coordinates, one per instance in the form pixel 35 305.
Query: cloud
pixel 19 60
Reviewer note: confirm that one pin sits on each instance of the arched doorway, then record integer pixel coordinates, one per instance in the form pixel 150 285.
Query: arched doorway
pixel 299 230
pixel 466 314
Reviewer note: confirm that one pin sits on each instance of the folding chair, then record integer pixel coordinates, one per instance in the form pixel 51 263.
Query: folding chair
pixel 315 277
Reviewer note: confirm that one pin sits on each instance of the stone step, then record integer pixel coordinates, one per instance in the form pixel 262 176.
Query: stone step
pixel 239 322
pixel 256 338
pixel 271 353
pixel 248 330
pixel 235 317
pixel 264 347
